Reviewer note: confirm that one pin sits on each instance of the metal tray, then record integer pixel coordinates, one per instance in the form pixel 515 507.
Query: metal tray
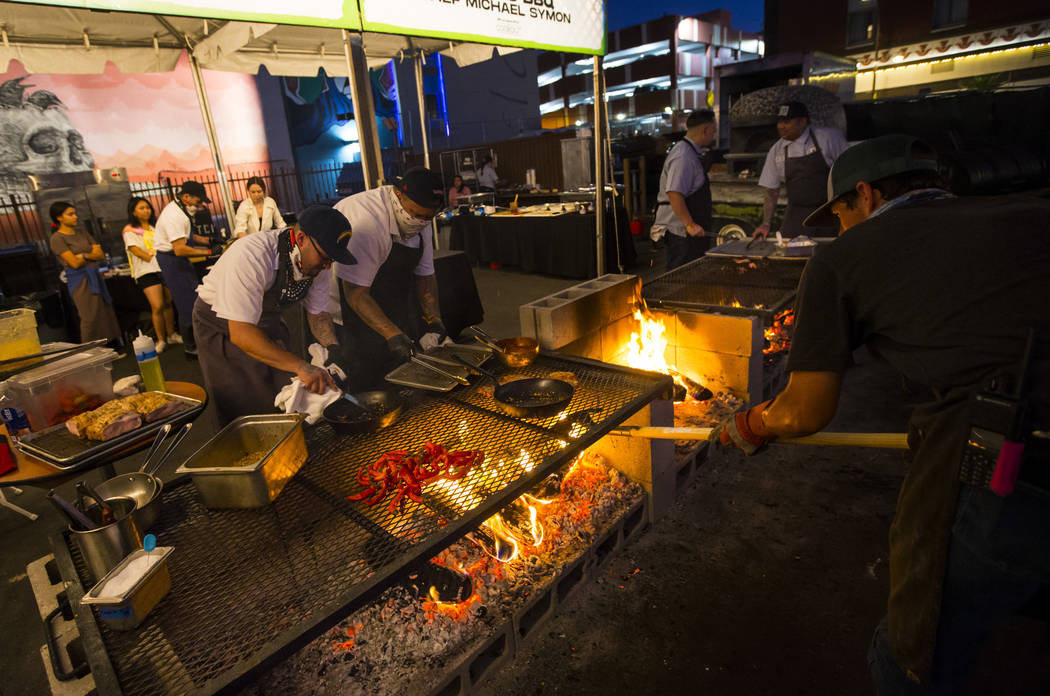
pixel 761 250
pixel 56 445
pixel 476 355
pixel 412 375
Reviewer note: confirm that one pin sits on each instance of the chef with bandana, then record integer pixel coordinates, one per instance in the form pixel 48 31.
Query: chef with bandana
pixel 241 337
pixel 389 297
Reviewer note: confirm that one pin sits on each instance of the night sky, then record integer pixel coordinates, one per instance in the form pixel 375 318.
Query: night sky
pixel 747 14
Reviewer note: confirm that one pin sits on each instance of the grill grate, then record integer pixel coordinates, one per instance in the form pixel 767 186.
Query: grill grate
pixel 250 586
pixel 714 284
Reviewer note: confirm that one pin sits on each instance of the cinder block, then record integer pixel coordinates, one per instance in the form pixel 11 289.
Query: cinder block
pixel 636 521
pixel 721 333
pixel 721 371
pixel 566 316
pixel 527 319
pixel 619 297
pixel 607 545
pixel 588 346
pixel 536 612
pixel 615 337
pixel 571 579
pixel 491 657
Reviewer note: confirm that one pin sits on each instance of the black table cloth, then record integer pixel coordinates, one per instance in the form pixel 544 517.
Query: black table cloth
pixel 561 246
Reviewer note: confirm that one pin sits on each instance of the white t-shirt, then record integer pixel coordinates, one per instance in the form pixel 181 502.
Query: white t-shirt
pixel 488 177
pixel 172 224
pixel 235 285
pixel 140 267
pixel 374 235
pixel 832 144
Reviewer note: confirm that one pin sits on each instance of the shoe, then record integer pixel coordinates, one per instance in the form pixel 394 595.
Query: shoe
pixel 161 347
pixel 175 339
pixel 191 352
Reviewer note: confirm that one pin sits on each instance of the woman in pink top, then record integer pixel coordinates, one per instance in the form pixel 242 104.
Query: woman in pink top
pixel 457 191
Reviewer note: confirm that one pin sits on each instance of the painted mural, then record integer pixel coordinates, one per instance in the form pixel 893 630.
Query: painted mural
pixel 146 123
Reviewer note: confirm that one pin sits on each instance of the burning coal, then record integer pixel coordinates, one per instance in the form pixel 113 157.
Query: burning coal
pixel 778 334
pixel 647 350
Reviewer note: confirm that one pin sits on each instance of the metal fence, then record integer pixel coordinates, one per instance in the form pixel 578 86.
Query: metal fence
pixel 21 223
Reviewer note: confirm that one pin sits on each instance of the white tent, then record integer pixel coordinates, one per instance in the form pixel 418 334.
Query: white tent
pixel 51 39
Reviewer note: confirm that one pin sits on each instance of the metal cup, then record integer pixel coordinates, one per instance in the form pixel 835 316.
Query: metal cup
pixel 104 547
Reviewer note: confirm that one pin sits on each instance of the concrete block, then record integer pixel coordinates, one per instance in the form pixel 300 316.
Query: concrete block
pixel 619 297
pixel 571 579
pixel 527 320
pixel 721 333
pixel 615 337
pixel 607 545
pixel 566 316
pixel 636 521
pixel 721 371
pixel 536 612
pixel 587 346
pixel 492 656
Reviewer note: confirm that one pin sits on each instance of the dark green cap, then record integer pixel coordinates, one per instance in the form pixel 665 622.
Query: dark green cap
pixel 869 161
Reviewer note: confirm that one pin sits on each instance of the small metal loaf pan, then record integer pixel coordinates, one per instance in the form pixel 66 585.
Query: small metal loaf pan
pixel 124 610
pixel 226 479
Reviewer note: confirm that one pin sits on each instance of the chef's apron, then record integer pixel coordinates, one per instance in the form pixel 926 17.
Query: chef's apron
pixel 394 290
pixel 239 384
pixel 682 250
pixel 921 530
pixel 807 190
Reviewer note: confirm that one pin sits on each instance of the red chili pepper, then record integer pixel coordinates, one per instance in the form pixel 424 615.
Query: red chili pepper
pixel 363 477
pixel 397 500
pixel 377 497
pixel 362 495
pixel 415 495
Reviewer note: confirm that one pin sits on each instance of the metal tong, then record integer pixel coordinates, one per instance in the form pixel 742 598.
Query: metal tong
pixel 484 338
pixel 425 363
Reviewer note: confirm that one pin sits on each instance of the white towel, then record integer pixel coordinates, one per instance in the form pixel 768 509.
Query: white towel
pixel 296 398
pixel 319 357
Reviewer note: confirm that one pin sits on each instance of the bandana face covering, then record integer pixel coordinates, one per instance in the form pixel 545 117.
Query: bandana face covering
pixel 291 280
pixel 407 223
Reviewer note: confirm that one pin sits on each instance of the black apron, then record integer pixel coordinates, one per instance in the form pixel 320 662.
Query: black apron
pixel 394 290
pixel 682 250
pixel 807 189
pixel 239 384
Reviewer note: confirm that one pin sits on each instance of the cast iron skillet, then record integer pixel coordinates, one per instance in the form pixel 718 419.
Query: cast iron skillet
pixel 380 409
pixel 535 397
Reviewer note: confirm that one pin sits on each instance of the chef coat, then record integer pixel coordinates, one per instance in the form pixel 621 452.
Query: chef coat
pixel 375 232
pixel 683 173
pixel 235 285
pixel 831 144
pixel 172 224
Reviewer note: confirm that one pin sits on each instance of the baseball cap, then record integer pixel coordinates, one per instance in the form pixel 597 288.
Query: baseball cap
pixel 423 187
pixel 194 188
pixel 792 109
pixel 330 229
pixel 869 161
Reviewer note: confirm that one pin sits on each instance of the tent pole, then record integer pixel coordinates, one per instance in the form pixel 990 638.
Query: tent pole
pixel 213 141
pixel 423 121
pixel 599 168
pixel 364 109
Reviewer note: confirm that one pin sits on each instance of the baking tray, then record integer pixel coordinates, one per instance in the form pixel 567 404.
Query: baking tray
pixel 412 375
pixel 57 446
pixel 761 250
pixel 476 355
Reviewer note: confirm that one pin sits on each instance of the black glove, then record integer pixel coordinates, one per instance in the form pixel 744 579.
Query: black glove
pixel 437 327
pixel 400 346
pixel 340 356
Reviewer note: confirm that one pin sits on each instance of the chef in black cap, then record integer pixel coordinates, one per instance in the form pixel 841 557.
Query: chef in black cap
pixel 389 297
pixel 242 339
pixel 800 160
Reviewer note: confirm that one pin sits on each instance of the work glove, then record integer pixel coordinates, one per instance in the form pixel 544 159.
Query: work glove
pixel 400 346
pixel 744 430
pixel 434 335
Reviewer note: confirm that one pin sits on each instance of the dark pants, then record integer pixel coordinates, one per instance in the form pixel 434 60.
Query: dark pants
pixel 682 250
pixel 998 560
pixel 181 279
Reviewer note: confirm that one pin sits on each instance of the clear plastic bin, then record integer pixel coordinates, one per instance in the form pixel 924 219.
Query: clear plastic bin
pixel 56 391
pixel 18 335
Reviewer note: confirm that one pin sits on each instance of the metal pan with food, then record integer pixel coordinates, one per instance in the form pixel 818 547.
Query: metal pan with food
pixel 365 412
pixel 518 351
pixel 532 397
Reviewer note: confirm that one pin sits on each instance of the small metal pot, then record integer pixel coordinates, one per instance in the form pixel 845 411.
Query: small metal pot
pixel 519 351
pixel 104 547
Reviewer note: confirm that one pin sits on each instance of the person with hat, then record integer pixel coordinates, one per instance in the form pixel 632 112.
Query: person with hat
pixel 242 339
pixel 800 160
pixel 173 242
pixel 388 299
pixel 940 288
pixel 683 207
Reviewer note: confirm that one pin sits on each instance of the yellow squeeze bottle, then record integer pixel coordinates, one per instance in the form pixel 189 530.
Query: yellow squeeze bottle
pixel 149 363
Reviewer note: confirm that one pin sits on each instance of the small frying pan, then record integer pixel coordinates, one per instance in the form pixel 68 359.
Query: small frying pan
pixel 535 397
pixel 374 410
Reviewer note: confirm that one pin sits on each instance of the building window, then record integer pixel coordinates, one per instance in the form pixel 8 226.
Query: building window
pixel 949 13
pixel 861 22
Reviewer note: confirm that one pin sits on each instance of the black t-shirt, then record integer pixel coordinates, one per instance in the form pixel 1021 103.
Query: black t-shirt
pixel 943 289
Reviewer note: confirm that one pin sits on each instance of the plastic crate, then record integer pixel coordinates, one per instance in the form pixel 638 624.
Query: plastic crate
pixel 18 335
pixel 56 391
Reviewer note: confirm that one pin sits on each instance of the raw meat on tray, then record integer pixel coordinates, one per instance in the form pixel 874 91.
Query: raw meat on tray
pixel 119 416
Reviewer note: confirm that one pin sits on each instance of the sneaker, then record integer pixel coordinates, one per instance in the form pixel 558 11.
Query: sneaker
pixel 175 339
pixel 191 352
pixel 161 346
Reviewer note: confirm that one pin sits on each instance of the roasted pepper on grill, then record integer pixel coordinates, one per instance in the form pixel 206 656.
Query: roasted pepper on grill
pixel 405 474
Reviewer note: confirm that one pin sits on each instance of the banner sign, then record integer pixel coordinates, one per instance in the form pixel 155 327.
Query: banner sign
pixel 557 25
pixel 318 13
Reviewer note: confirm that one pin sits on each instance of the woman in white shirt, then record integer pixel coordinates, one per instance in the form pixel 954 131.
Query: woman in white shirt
pixel 258 211
pixel 138 240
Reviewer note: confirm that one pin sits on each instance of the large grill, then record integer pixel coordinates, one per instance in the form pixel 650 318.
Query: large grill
pixel 759 288
pixel 250 586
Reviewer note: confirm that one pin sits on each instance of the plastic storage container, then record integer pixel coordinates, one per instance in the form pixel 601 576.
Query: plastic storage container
pixel 56 391
pixel 138 592
pixel 18 335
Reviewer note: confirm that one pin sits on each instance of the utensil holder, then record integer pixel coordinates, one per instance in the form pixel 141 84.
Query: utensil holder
pixel 105 547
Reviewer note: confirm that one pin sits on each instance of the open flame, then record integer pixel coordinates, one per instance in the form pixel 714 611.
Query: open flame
pixel 778 334
pixel 646 350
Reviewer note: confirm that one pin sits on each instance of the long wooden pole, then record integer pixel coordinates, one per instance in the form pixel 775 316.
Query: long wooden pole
pixel 882 440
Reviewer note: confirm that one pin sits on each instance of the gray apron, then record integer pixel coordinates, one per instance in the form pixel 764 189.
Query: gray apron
pixel 394 290
pixel 237 383
pixel 807 189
